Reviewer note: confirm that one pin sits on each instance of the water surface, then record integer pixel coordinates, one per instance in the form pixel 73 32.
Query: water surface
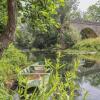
pixel 88 71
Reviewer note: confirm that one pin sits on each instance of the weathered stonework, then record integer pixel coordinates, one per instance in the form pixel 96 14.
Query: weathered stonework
pixel 81 25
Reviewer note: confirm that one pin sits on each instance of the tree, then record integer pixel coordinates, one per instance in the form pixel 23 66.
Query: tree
pixel 39 14
pixel 8 34
pixel 93 12
pixel 67 10
pixel 65 17
pixel 40 19
pixel 77 14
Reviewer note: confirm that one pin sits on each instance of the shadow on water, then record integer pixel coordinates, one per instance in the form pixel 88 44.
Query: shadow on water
pixel 88 71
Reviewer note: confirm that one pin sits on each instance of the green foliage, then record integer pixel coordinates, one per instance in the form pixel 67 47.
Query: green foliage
pixel 39 22
pixel 11 59
pixel 45 40
pixel 93 12
pixel 3 15
pixel 24 39
pixel 39 15
pixel 4 95
pixel 88 45
pixel 56 89
pixel 15 56
pixel 71 37
pixel 94 57
pixel 77 14
pixel 67 10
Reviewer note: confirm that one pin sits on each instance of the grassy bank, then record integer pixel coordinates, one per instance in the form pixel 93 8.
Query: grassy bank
pixel 88 45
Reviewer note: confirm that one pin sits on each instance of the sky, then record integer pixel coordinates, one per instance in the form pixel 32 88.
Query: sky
pixel 84 4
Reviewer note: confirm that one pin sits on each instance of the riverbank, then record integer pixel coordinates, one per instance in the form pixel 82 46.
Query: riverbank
pixel 92 44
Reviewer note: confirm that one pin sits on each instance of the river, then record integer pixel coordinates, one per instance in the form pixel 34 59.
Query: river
pixel 88 72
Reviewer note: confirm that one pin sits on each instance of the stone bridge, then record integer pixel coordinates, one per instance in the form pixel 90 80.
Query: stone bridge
pixel 86 28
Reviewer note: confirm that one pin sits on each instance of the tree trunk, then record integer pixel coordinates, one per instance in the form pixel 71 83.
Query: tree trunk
pixel 8 34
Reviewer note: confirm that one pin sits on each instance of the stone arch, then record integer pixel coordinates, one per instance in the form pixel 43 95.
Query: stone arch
pixel 88 33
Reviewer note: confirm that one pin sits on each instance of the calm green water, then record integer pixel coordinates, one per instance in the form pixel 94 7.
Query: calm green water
pixel 88 71
pixel 89 78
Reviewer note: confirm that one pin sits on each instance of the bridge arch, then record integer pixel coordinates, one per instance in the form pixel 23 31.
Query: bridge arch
pixel 88 33
pixel 82 25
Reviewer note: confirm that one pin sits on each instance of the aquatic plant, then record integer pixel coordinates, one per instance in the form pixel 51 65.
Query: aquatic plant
pixel 56 88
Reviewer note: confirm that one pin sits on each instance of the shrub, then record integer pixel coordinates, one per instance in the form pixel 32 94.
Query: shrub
pixel 12 58
pixel 71 37
pixel 92 44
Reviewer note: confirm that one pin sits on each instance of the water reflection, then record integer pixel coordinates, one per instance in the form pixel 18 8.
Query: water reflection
pixel 89 77
pixel 93 91
pixel 88 72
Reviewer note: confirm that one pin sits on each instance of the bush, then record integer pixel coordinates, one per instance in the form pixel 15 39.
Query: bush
pixel 71 37
pixel 24 39
pixel 11 59
pixel 92 44
pixel 46 40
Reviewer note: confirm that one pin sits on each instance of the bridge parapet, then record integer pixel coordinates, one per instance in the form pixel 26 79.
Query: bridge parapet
pixel 78 21
pixel 90 29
